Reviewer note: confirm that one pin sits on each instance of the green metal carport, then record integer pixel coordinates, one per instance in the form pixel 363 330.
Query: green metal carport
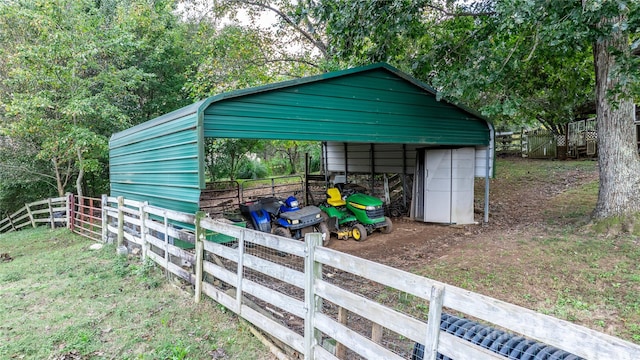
pixel 162 161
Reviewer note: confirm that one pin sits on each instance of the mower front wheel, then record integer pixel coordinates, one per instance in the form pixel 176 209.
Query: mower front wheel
pixel 388 227
pixel 359 232
pixel 284 232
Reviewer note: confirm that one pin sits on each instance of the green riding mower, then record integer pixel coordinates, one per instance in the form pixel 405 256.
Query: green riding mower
pixel 352 214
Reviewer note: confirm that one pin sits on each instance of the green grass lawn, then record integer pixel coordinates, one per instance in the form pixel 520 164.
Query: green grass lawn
pixel 59 298
pixel 561 264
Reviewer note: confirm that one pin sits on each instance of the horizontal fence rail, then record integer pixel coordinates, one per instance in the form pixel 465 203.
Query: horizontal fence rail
pixel 318 303
pixel 52 212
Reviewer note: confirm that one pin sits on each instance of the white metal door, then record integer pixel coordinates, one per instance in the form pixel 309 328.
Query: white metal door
pixel 437 186
pixel 448 186
pixel 462 176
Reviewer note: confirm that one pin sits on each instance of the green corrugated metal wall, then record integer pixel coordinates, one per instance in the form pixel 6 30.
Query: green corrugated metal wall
pixel 372 106
pixel 158 164
pixel 161 161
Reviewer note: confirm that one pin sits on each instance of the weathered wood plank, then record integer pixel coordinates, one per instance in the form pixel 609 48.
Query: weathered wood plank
pixel 271 241
pixel 376 333
pixel 580 341
pixel 353 340
pixel 275 329
pixel 321 353
pixel 20 226
pixel 274 270
pixel 131 221
pixel 132 238
pixel 21 218
pixel 157 258
pixel 457 348
pixel 433 326
pixel 275 298
pixel 13 216
pixel 159 243
pixel 402 324
pixel 221 250
pixel 181 253
pixel 173 215
pixel 220 273
pixel 112 229
pixel 133 203
pixel 220 297
pixel 180 272
pixel 171 231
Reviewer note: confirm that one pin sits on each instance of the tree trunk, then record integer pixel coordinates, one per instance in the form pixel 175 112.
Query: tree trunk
pixel 59 184
pixel 80 174
pixel 619 193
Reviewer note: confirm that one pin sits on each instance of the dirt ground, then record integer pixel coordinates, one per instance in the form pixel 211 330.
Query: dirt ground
pixel 515 212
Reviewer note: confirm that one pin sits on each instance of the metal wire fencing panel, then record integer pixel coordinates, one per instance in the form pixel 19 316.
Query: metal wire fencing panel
pixel 244 268
pixel 373 294
pixel 314 300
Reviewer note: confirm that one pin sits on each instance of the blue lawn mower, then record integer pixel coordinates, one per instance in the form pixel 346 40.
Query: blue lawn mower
pixel 284 218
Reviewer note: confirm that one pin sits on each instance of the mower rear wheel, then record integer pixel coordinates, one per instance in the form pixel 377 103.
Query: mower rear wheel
pixel 359 232
pixel 388 227
pixel 284 232
pixel 249 225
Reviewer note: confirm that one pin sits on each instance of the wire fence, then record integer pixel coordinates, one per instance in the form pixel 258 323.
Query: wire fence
pixel 317 303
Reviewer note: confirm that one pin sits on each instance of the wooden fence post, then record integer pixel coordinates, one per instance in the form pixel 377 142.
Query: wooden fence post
pixel 143 229
pixel 312 271
pixel 53 222
pixel 433 323
pixel 166 244
pixel 240 271
pixel 376 333
pixel 120 221
pixel 13 226
pixel 33 221
pixel 199 254
pixel 71 205
pixel 341 350
pixel 104 203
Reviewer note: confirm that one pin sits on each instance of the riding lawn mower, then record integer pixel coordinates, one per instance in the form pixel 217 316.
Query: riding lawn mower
pixel 352 214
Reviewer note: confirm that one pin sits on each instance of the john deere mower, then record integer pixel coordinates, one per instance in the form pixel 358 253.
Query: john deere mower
pixel 352 214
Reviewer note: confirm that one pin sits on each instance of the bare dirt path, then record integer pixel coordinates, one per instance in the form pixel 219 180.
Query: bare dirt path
pixel 519 208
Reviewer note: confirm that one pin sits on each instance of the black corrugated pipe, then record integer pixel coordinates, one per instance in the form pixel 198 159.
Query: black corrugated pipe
pixel 508 345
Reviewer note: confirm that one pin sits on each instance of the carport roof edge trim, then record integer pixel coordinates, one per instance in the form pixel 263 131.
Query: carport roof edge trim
pixel 200 106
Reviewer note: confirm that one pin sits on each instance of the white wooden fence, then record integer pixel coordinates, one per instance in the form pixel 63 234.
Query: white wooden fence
pixel 314 302
pixel 303 288
pixel 49 211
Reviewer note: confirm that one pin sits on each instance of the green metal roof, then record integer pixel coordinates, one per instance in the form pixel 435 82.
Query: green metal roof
pixel 162 160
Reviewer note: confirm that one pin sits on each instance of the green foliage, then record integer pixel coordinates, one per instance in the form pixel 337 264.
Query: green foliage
pixel 234 58
pixel 252 169
pixel 286 157
pixel 224 157
pixel 73 73
pixel 173 352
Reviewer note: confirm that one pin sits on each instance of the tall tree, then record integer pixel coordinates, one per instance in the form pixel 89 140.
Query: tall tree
pixel 547 40
pixel 63 88
pixel 74 72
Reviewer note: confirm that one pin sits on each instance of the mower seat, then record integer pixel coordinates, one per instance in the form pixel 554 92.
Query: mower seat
pixel 334 198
